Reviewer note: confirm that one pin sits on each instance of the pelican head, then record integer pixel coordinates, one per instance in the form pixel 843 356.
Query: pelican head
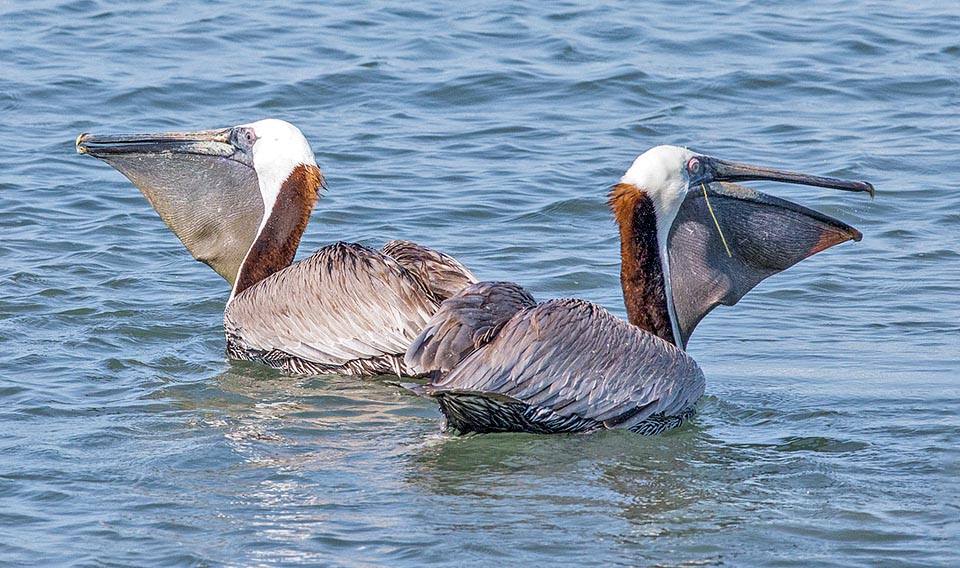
pixel 710 240
pixel 223 192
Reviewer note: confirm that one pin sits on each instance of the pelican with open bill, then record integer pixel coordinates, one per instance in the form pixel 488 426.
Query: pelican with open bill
pixel 690 239
pixel 239 199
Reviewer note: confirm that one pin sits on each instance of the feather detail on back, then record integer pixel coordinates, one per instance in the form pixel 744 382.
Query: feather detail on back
pixel 465 322
pixel 441 273
pixel 580 367
pixel 347 308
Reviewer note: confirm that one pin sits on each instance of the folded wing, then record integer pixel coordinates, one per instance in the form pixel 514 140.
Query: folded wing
pixel 344 303
pixel 465 322
pixel 443 274
pixel 578 361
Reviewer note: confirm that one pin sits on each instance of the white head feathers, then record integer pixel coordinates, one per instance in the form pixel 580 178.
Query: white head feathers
pixel 661 172
pixel 279 149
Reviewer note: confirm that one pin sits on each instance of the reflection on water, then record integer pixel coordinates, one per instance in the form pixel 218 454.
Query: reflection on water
pixel 335 464
pixel 259 406
pixel 300 474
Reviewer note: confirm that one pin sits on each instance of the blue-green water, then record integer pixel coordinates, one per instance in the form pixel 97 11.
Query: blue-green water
pixel 831 427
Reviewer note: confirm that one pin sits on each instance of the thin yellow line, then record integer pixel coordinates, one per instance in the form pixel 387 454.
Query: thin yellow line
pixel 715 222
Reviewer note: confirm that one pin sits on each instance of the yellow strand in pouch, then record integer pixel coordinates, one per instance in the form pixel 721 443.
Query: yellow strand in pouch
pixel 715 222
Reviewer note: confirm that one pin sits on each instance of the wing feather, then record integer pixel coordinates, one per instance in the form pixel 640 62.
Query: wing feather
pixel 345 302
pixel 577 359
pixel 464 322
pixel 443 274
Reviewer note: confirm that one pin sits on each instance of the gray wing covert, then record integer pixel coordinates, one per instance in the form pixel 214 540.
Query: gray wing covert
pixel 463 323
pixel 577 359
pixel 343 303
pixel 442 273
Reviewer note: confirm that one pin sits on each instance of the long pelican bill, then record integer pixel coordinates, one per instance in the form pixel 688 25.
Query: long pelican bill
pixel 202 142
pixel 723 170
pixel 203 185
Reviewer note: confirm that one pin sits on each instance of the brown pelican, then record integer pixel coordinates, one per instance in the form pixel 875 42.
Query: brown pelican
pixel 689 240
pixel 239 199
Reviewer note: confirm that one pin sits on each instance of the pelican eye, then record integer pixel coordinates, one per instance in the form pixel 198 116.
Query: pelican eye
pixel 693 166
pixel 246 137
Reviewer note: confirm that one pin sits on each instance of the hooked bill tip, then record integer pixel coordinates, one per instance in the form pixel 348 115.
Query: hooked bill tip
pixel 81 149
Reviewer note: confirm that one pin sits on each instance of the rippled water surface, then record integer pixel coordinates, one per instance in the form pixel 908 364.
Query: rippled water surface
pixel 830 430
